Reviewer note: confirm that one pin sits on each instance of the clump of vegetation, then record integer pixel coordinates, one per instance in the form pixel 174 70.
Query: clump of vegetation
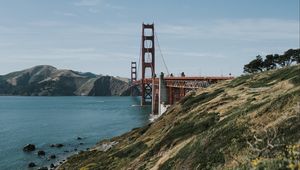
pixel 288 73
pixel 239 81
pixel 207 151
pixel 273 61
pixel 132 150
pixel 200 99
pixel 184 130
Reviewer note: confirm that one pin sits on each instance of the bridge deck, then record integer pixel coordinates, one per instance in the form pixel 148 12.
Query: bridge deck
pixel 184 82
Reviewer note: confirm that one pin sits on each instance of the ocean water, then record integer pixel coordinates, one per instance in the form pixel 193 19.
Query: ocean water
pixel 50 120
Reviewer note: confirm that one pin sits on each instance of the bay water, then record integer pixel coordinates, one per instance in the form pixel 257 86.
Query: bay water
pixel 51 120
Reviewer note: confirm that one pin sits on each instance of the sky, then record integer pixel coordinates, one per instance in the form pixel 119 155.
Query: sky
pixel 198 37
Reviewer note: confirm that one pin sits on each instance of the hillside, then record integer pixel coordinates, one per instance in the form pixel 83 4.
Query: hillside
pixel 46 80
pixel 252 121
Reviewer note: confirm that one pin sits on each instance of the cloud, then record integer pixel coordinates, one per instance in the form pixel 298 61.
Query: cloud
pixel 47 23
pixel 95 6
pixel 68 14
pixel 236 29
pixel 73 50
pixel 87 3
pixel 93 10
pixel 116 7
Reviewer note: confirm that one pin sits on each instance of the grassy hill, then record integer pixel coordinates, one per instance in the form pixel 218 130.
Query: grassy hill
pixel 250 122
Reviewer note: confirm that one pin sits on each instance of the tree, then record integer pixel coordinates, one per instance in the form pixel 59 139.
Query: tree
pixel 288 57
pixel 256 65
pixel 273 61
pixel 277 60
pixel 296 55
pixel 269 62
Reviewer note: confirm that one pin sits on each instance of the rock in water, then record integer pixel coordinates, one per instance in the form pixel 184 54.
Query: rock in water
pixel 41 153
pixel 52 166
pixel 31 164
pixel 52 156
pixel 29 148
pixel 42 168
pixel 59 145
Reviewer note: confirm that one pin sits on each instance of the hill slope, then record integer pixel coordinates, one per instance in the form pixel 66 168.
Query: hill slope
pixel 46 80
pixel 250 122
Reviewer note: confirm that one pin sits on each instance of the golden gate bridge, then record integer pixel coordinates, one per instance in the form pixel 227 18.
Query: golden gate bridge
pixel 162 91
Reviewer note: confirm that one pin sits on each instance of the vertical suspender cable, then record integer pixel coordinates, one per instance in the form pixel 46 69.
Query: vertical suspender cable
pixel 140 60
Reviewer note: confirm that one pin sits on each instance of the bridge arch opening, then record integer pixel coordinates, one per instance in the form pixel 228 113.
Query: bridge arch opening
pixel 148 57
pixel 148 44
pixel 148 32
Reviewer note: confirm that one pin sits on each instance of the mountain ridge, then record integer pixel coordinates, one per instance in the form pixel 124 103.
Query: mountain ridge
pixel 46 80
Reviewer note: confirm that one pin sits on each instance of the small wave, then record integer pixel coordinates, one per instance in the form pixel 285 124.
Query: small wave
pixel 99 101
pixel 153 117
pixel 135 105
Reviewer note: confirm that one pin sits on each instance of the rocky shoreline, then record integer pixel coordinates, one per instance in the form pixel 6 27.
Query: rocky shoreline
pixel 55 160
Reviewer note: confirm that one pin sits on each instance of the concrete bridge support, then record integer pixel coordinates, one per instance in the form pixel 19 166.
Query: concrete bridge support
pixel 163 102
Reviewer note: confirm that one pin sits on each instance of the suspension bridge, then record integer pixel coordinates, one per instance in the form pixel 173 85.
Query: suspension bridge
pixel 163 91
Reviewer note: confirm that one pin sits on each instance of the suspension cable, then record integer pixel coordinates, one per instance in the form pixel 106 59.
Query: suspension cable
pixel 156 38
pixel 140 61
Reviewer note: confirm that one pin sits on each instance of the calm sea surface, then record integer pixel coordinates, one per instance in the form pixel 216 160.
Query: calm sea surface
pixel 49 120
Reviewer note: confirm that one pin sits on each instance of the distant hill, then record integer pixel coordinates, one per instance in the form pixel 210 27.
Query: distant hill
pixel 251 122
pixel 45 80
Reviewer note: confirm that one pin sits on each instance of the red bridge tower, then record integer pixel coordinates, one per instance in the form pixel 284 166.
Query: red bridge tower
pixel 148 62
pixel 133 76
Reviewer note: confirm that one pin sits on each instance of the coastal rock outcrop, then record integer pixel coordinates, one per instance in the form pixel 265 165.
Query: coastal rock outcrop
pixel 29 148
pixel 52 156
pixel 41 153
pixel 52 166
pixel 31 165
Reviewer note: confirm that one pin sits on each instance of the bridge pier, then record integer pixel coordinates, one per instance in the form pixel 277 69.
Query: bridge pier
pixel 163 103
pixel 155 97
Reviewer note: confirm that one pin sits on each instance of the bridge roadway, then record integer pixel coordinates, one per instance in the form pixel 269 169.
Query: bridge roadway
pixel 184 82
pixel 165 91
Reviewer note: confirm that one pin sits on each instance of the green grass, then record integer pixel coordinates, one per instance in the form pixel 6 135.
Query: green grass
pixel 200 99
pixel 131 151
pixel 296 80
pixel 184 130
pixel 239 80
pixel 282 101
pixel 289 73
pixel 207 151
